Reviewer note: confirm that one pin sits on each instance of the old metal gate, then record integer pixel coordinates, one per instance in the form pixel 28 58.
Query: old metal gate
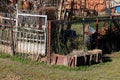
pixel 30 34
pixel 6 22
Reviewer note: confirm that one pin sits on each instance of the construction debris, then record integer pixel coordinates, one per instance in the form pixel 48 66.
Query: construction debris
pixel 77 58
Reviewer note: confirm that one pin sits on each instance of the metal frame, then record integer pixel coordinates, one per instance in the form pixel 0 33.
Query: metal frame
pixel 31 41
pixel 15 31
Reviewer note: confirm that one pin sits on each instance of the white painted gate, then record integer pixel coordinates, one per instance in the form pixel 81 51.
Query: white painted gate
pixel 30 33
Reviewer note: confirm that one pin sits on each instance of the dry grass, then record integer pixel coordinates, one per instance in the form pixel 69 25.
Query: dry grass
pixel 13 69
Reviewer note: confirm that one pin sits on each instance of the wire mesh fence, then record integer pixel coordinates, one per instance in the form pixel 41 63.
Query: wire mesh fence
pixel 67 37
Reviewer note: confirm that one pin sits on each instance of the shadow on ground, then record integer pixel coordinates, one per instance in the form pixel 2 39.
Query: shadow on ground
pixel 106 59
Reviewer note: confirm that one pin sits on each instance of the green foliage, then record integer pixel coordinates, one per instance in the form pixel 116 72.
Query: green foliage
pixel 63 46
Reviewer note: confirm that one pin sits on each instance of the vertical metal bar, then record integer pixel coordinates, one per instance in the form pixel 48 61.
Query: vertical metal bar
pixel 45 33
pixel 26 42
pixel 11 34
pixel 49 42
pixel 32 43
pixel 29 43
pixel 40 44
pixel 4 33
pixel 2 30
pixel 16 29
pixel 7 40
pixel 20 40
pixel 4 40
pixel 37 43
pixel 18 46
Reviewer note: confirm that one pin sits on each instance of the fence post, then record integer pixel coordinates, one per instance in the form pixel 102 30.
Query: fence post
pixel 16 30
pixel 11 34
pixel 49 43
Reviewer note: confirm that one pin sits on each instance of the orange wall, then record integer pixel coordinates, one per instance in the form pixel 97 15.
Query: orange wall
pixel 90 4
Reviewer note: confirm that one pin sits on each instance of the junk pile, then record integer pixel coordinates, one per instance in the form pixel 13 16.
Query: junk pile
pixel 77 58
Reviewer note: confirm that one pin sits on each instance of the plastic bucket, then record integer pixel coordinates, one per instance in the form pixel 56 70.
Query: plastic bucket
pixel 117 9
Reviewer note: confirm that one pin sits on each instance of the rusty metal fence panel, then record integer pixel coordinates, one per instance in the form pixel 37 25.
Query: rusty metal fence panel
pixel 5 34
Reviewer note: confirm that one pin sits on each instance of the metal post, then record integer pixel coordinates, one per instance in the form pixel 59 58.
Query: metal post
pixel 49 43
pixel 11 33
pixel 16 28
